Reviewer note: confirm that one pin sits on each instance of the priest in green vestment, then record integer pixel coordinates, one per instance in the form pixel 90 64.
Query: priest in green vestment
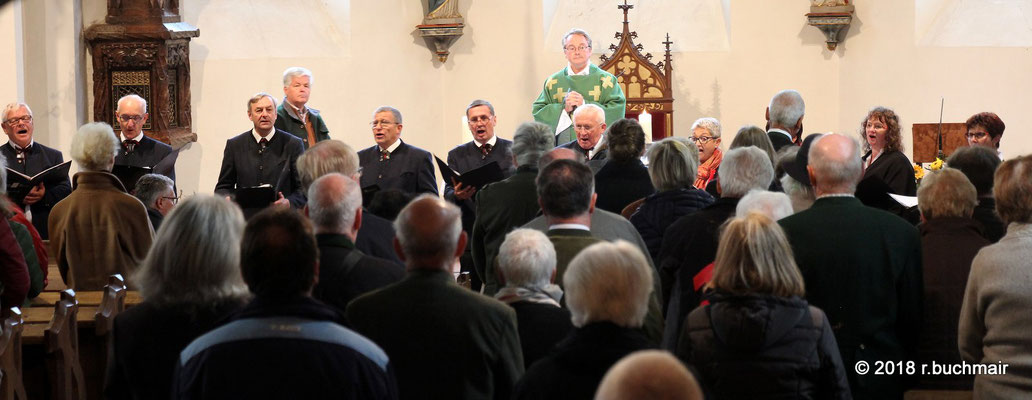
pixel 580 82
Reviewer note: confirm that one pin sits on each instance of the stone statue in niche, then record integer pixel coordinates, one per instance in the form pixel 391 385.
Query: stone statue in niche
pixel 441 26
pixel 442 9
pixel 829 3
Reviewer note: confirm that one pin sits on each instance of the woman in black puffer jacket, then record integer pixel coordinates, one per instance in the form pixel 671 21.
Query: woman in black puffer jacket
pixel 758 338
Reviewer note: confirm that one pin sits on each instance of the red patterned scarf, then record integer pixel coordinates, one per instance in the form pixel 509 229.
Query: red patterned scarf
pixel 708 169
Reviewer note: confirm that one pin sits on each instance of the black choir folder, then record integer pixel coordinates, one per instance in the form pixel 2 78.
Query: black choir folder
pixel 19 184
pixel 129 175
pixel 477 177
pixel 254 198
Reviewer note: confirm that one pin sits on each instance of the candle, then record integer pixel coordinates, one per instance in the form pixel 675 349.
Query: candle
pixel 645 119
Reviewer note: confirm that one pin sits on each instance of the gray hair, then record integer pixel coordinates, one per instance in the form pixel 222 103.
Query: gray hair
pixel 649 374
pixel 333 201
pixel 196 255
pixel 672 164
pixel 744 169
pixel 151 186
pixel 12 107
pixel 325 157
pixel 392 110
pixel 842 175
pixel 711 125
pixel 293 72
pixel 754 136
pixel 527 259
pixel 802 196
pixel 772 204
pixel 600 114
pixel 608 282
pixel 94 146
pixel 531 141
pixel 576 31
pixel 786 107
pixel 441 244
pixel 946 193
pixel 478 103
pixel 132 96
pixel 258 97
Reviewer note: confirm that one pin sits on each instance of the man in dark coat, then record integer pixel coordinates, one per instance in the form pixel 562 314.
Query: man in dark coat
pixel 690 243
pixel 510 203
pixel 861 265
pixel 335 207
pixel 566 194
pixel 446 341
pixel 155 192
pixel 392 163
pixel 138 150
pixel 268 349
pixel 294 115
pixel 623 178
pixel 30 158
pixel 785 118
pixel 263 155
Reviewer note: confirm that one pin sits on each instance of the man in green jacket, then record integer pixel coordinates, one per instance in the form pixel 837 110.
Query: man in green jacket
pixel 294 115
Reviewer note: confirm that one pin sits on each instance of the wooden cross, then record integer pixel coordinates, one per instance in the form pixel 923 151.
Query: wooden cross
pixel 625 7
pixel 595 92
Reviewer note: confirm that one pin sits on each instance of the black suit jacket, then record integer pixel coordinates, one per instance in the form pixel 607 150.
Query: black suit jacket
pixel 39 158
pixel 244 166
pixel 410 169
pixel 501 207
pixel 340 283
pixel 779 140
pixel 621 183
pixel 599 155
pixel 375 238
pixel 147 153
pixel 467 157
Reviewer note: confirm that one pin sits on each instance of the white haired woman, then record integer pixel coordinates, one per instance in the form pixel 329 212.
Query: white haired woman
pixel 189 281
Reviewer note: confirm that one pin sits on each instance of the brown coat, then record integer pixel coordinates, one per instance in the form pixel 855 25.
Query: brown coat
pixel 98 230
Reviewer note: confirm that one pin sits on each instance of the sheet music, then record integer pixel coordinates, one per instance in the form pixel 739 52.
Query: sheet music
pixel 905 201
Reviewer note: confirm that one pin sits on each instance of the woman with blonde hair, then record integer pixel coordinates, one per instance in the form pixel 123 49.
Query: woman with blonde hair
pixel 758 337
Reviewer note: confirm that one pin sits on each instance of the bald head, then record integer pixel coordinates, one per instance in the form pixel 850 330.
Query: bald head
pixel 429 233
pixel 648 374
pixel 834 164
pixel 334 205
pixel 559 153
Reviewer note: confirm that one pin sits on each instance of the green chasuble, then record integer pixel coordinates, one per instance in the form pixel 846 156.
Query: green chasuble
pixel 598 87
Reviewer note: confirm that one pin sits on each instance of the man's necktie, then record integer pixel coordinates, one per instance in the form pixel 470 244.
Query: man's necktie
pixel 485 150
pixel 20 153
pixel 587 152
pixel 128 145
pixel 262 143
pixel 385 155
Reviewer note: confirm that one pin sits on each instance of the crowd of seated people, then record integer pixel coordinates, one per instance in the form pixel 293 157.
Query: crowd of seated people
pixel 752 271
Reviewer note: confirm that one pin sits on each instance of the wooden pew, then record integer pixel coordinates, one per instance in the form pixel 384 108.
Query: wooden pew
pixel 61 344
pixel 11 386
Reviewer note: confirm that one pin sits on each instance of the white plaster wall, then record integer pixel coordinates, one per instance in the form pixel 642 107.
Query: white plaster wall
pixel 11 89
pixel 371 55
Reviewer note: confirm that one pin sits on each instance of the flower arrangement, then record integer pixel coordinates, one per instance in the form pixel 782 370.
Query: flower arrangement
pixel 919 171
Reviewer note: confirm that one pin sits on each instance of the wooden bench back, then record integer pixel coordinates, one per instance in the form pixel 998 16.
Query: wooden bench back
pixel 61 343
pixel 12 386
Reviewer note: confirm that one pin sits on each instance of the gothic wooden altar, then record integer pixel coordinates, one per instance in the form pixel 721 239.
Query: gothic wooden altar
pixel 646 85
pixel 144 48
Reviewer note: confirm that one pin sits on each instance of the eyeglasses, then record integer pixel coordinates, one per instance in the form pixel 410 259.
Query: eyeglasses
pixel 127 118
pixel 480 118
pixel 976 135
pixel 702 139
pixel 174 198
pixel 580 48
pixel 16 121
pixel 381 123
pixel 585 127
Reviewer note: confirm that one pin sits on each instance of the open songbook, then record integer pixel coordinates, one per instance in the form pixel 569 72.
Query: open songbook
pixel 129 174
pixel 478 177
pixel 19 184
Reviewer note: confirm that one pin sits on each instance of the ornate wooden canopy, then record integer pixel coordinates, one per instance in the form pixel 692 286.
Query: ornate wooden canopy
pixel 647 85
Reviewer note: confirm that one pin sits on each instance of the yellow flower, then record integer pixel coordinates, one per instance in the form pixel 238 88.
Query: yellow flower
pixel 937 165
pixel 918 172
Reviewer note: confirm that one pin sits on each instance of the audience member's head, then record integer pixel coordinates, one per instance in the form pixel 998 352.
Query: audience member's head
pixel 880 130
pixel 706 135
pixel 946 193
pixel 526 259
pixel 985 129
pixel 560 153
pixel 608 282
pixel 429 234
pixel 754 257
pixel 979 164
pixel 335 205
pixel 774 205
pixel 94 147
pixel 1012 188
pixel 754 136
pixel 388 203
pixel 325 157
pixel 565 189
pixel 649 374
pixel 196 254
pixel 626 140
pixel 786 112
pixel 834 164
pixel 278 254
pixel 672 164
pixel 744 169
pixel 156 191
pixel 800 192
pixel 530 142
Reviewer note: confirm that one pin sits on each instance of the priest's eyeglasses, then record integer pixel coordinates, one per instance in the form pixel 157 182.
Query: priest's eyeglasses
pixel 16 121
pixel 580 48
pixel 381 123
pixel 701 139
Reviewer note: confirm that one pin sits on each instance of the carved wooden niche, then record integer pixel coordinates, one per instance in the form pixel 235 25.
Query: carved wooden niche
pixel 144 49
pixel 647 85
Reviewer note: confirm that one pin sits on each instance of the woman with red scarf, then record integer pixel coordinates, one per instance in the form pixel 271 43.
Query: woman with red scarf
pixel 706 135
